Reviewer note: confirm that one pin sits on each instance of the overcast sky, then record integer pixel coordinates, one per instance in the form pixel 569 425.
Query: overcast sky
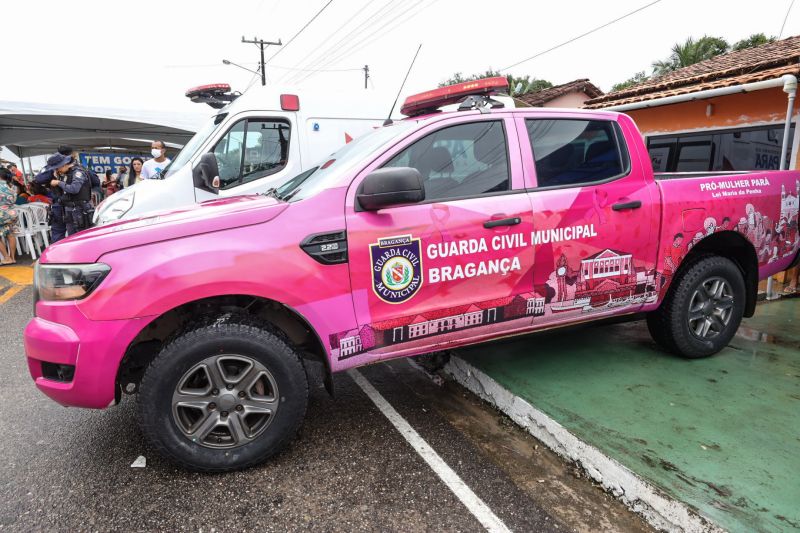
pixel 145 54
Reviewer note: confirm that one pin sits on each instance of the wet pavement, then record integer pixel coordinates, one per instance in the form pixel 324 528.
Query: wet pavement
pixel 721 434
pixel 349 470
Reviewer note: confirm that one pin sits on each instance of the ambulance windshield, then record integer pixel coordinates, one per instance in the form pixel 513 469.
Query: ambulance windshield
pixel 193 145
pixel 329 170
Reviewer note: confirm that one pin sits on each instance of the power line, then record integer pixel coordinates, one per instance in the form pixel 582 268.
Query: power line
pixel 372 37
pixel 581 35
pixel 339 54
pixel 331 49
pixel 785 19
pixel 300 31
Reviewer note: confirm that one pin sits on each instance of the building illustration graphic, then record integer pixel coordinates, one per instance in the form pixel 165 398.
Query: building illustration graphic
pixel 607 280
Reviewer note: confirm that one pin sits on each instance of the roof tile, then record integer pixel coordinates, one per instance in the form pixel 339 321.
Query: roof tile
pixel 763 62
pixel 540 98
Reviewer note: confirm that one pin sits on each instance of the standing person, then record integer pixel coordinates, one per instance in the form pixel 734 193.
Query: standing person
pixel 135 174
pixel 8 218
pixel 122 174
pixel 153 167
pixel 76 185
pixel 58 228
pixel 109 184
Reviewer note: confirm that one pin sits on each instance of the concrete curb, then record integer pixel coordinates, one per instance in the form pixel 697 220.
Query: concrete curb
pixel 658 509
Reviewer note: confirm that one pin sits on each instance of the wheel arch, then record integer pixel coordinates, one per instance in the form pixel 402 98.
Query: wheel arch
pixel 296 329
pixel 734 246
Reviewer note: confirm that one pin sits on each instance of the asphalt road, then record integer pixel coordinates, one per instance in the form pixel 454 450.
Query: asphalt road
pixel 349 469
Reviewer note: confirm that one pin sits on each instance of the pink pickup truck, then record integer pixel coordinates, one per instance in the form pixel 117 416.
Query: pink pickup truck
pixel 441 230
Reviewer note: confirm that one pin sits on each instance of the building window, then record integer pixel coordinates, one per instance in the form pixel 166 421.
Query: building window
pixel 756 148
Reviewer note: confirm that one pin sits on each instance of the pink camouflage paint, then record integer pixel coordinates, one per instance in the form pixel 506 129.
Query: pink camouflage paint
pixel 418 277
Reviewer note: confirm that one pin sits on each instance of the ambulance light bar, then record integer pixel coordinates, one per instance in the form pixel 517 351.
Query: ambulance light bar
pixel 428 101
pixel 217 95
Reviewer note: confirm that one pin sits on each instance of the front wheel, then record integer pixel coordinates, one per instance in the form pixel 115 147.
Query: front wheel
pixel 702 310
pixel 223 396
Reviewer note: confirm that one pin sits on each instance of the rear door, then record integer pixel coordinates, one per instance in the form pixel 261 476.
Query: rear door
pixel 455 266
pixel 595 225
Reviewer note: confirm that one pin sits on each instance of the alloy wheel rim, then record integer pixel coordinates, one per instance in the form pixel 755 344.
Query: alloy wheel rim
pixel 710 308
pixel 225 401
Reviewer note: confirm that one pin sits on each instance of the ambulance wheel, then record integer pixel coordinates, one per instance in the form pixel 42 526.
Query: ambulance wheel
pixel 702 309
pixel 223 396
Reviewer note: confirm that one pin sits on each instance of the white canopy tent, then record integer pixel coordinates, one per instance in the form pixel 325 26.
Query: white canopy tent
pixel 29 129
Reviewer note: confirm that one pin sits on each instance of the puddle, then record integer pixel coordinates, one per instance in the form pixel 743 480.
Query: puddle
pixel 752 334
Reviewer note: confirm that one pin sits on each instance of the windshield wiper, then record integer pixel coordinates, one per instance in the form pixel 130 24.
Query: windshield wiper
pixel 272 192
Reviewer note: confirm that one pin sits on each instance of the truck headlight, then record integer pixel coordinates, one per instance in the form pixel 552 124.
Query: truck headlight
pixel 114 209
pixel 67 282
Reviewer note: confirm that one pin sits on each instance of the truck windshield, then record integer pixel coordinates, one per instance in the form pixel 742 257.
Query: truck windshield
pixel 328 171
pixel 193 145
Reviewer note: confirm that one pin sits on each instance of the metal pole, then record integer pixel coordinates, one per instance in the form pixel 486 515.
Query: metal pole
pixel 261 43
pixel 366 75
pixel 263 70
pixel 790 87
pixel 22 162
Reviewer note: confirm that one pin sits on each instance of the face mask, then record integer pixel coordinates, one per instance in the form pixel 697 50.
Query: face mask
pixel 156 152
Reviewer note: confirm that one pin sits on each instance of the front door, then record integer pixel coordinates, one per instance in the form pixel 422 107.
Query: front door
pixel 455 266
pixel 595 226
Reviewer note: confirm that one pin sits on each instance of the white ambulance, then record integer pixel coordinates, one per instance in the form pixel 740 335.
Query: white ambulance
pixel 259 140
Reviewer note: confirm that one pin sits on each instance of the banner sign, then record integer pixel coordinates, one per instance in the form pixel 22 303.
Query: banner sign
pixel 102 162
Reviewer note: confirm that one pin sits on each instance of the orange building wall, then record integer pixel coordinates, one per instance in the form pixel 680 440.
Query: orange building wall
pixel 742 109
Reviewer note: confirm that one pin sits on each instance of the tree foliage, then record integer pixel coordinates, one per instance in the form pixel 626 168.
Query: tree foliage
pixel 516 84
pixel 636 79
pixel 757 39
pixel 690 52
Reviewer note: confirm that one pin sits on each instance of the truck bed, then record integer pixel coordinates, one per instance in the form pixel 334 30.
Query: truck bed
pixel 761 207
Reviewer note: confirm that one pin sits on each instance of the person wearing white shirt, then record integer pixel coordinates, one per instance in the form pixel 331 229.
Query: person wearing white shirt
pixel 153 167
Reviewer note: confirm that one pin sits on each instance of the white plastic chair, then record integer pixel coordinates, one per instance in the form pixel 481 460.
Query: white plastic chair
pixel 40 211
pixel 27 232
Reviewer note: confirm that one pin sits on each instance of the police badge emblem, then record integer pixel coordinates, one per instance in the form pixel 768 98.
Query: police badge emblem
pixel 396 268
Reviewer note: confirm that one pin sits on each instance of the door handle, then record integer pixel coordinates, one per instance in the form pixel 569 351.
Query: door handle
pixel 513 221
pixel 636 204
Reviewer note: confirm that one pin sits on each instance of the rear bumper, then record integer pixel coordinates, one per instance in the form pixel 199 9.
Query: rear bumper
pixel 93 348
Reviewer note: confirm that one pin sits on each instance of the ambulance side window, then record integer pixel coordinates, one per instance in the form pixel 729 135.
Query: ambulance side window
pixel 228 152
pixel 252 149
pixel 460 161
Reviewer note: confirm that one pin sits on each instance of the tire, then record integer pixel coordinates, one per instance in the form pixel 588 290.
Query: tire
pixel 702 310
pixel 246 421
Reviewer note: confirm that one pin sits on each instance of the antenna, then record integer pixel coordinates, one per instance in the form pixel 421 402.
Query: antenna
pixel 389 118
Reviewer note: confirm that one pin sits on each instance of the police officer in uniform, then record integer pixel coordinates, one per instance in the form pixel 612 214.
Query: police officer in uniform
pixel 72 191
pixel 58 228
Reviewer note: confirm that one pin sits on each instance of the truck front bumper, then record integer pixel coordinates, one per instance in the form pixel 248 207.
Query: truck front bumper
pixel 74 360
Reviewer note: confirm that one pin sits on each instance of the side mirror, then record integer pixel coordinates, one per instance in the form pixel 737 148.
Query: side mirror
pixel 391 186
pixel 206 174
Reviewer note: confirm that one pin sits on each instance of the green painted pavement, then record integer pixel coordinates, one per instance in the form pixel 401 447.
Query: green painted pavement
pixel 721 434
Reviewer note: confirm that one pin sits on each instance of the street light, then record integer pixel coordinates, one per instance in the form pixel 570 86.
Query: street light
pixel 226 62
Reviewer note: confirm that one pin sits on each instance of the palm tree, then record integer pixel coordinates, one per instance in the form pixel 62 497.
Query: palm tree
pixel 690 52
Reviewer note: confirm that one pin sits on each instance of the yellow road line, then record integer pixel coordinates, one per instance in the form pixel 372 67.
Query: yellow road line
pixel 18 275
pixel 6 296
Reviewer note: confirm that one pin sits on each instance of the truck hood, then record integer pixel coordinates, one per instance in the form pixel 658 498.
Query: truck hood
pixel 215 215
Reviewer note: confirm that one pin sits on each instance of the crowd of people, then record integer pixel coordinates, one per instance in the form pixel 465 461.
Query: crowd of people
pixel 70 189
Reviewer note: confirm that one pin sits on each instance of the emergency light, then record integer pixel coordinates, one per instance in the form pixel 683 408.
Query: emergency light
pixel 217 95
pixel 290 102
pixel 417 104
pixel 212 88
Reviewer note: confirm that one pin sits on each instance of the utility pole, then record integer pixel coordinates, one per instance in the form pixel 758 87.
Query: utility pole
pixel 366 75
pixel 261 43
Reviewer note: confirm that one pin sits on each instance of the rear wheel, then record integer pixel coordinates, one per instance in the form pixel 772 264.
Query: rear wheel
pixel 223 396
pixel 702 310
